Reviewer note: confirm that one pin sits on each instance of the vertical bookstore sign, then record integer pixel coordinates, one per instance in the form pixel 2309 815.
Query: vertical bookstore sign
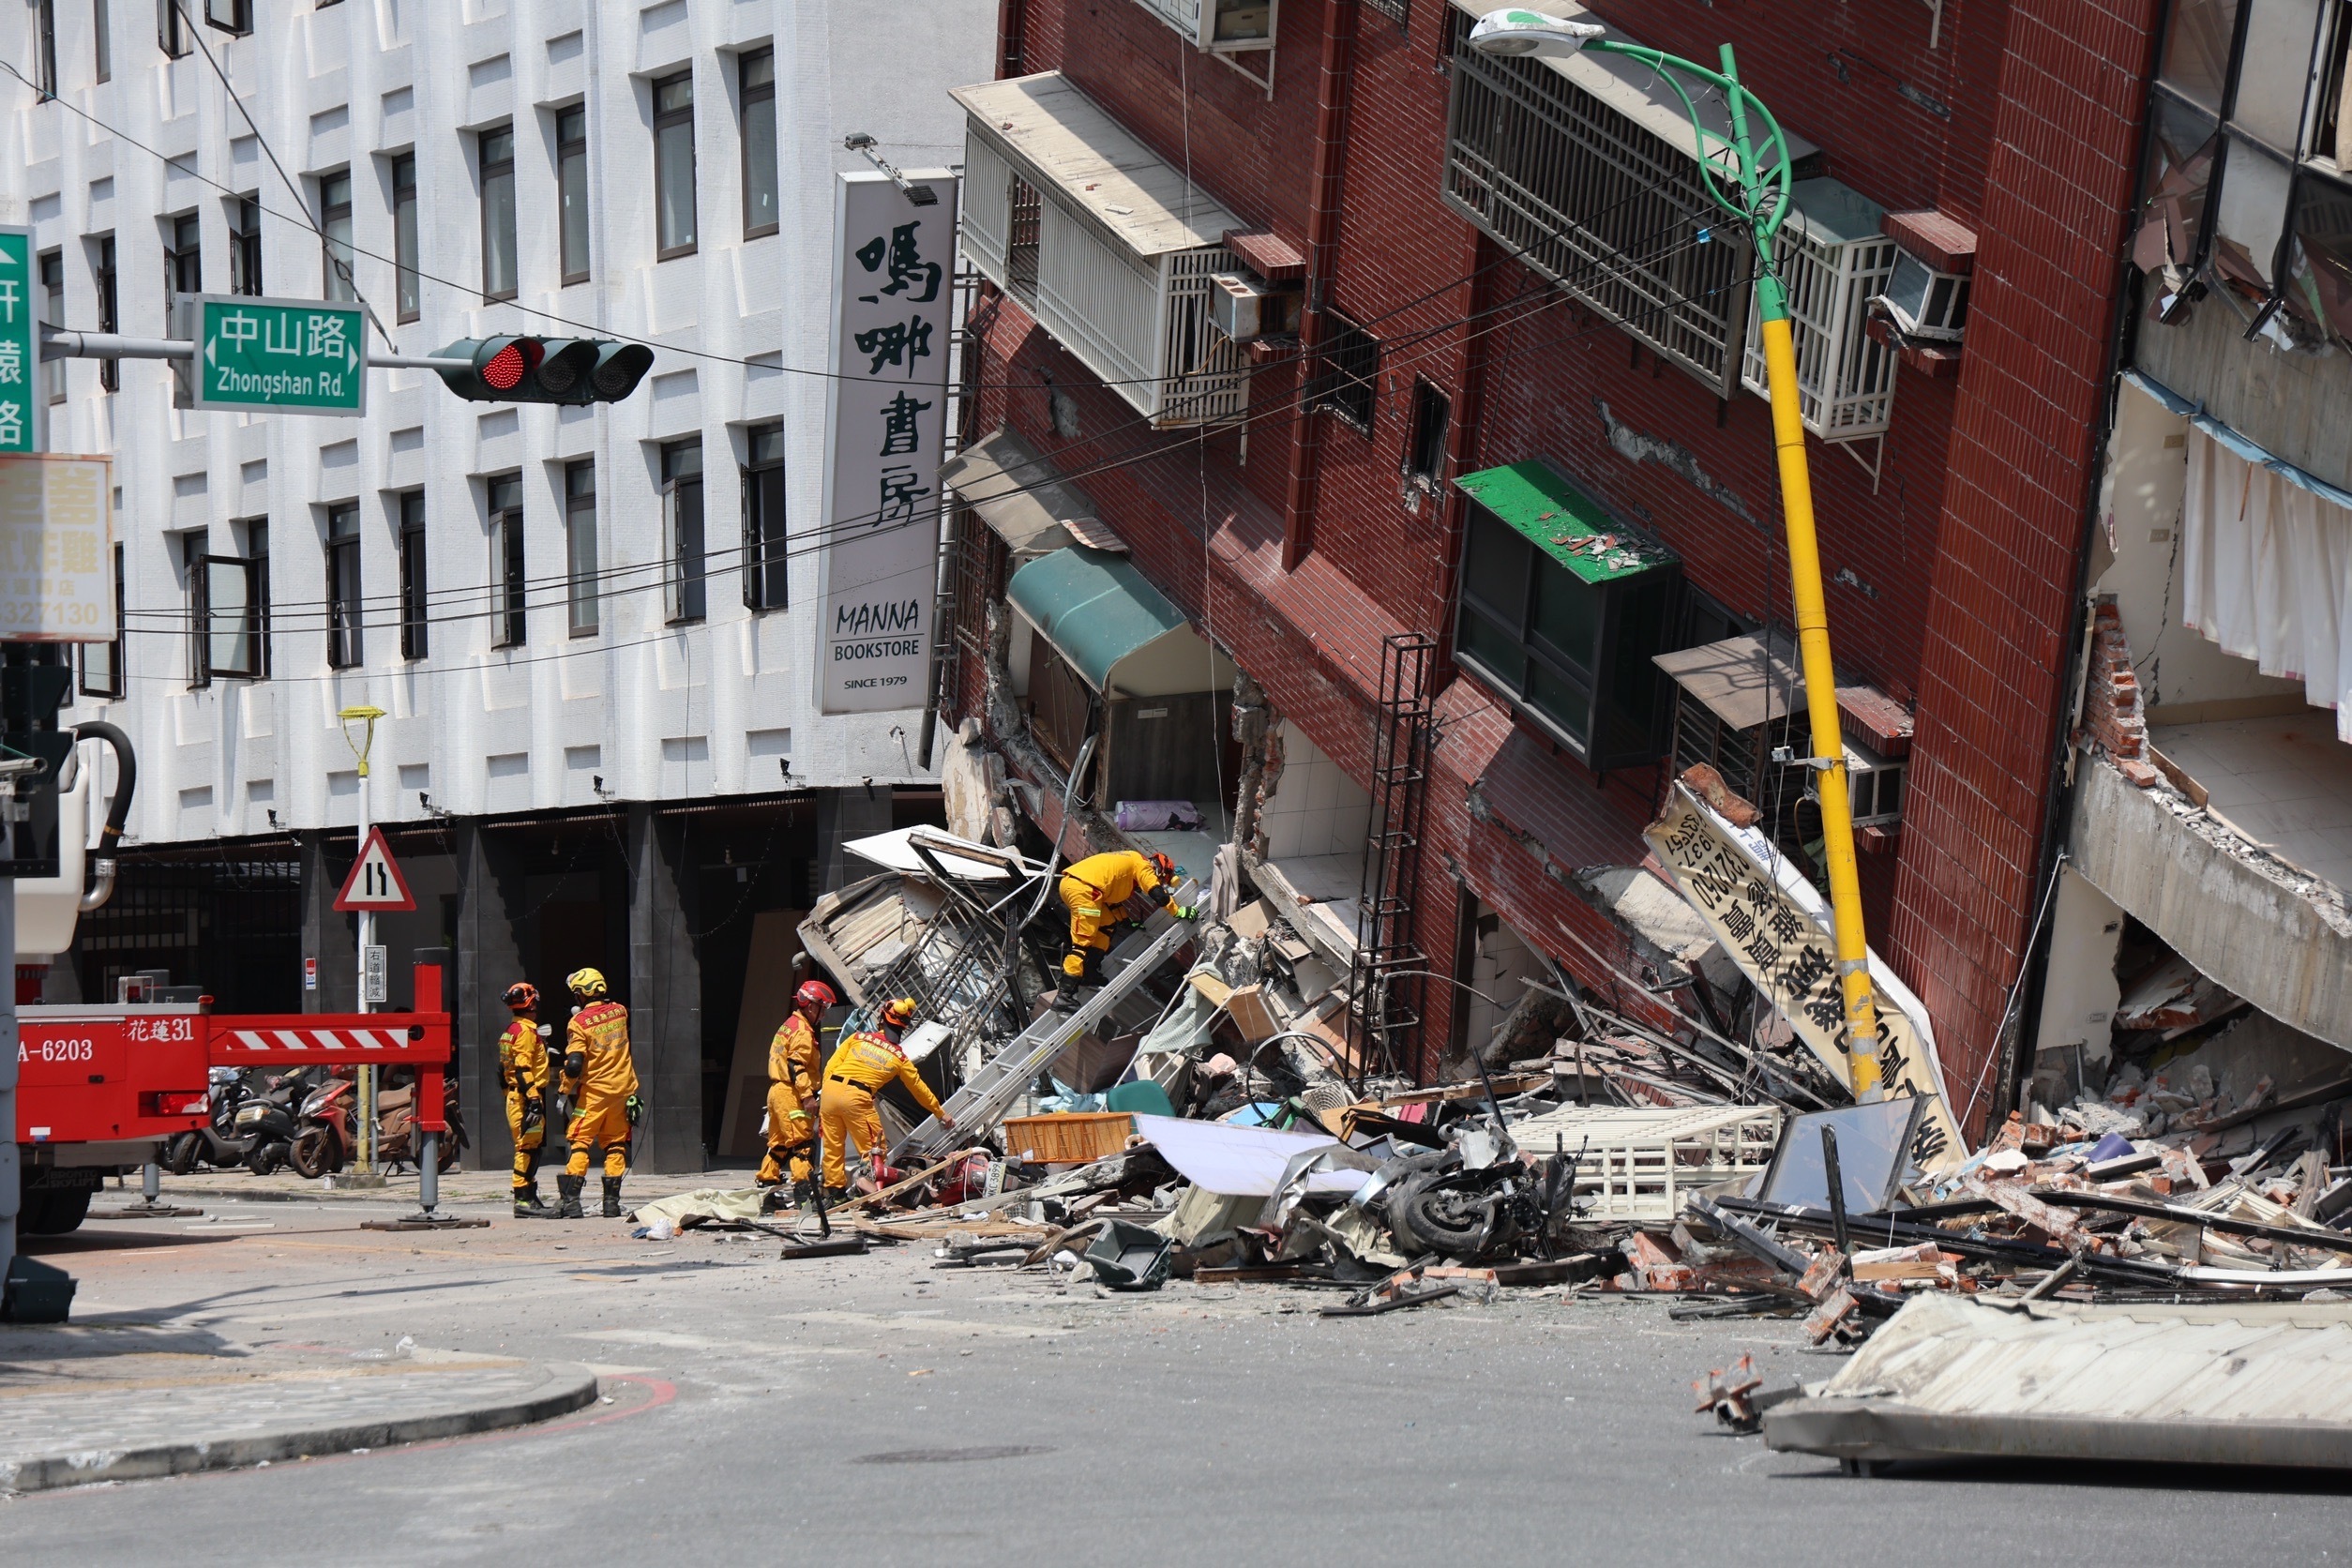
pixel 894 270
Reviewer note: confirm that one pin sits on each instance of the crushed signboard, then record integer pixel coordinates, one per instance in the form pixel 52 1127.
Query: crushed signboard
pixel 56 549
pixel 1775 926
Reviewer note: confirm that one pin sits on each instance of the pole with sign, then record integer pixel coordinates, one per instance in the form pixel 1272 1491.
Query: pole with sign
pixel 886 419
pixel 372 872
pixel 23 409
pixel 275 355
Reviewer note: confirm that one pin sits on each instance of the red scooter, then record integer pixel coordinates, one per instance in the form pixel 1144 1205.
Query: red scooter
pixel 329 1141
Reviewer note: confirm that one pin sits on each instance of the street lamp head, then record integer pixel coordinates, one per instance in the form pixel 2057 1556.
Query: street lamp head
pixel 1517 31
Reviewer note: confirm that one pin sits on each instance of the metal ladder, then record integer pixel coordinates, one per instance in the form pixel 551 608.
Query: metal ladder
pixel 990 1091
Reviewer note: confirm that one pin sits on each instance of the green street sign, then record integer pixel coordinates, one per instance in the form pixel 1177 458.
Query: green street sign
pixel 20 345
pixel 276 356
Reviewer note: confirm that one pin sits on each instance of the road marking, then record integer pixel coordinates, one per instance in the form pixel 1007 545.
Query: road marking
pixel 669 1340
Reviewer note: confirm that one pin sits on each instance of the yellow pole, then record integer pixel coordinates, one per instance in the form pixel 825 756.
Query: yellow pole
pixel 1829 743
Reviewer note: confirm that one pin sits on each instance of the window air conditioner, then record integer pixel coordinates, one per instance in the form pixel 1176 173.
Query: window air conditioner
pixel 1925 303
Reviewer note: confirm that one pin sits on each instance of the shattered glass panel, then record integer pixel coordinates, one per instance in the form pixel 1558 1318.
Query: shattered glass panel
pixel 2196 49
pixel 2250 216
pixel 1871 1140
pixel 2320 289
pixel 2181 146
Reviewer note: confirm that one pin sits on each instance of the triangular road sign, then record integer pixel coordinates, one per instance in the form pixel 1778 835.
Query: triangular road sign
pixel 375 882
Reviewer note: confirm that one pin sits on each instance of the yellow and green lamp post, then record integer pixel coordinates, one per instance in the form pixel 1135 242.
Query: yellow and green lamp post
pixel 1753 192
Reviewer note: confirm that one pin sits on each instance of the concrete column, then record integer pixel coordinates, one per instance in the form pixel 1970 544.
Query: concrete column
pixel 664 993
pixel 326 936
pixel 487 959
pixel 843 814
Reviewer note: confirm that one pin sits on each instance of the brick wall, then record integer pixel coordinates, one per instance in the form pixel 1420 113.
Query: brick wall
pixel 1950 574
pixel 2061 173
pixel 2113 715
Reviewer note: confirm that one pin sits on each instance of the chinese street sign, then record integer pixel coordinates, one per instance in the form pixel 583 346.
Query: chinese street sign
pixel 56 549
pixel 1775 926
pixel 20 345
pixel 279 356
pixel 893 293
pixel 375 882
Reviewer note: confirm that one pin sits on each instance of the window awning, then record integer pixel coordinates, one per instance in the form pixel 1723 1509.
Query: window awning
pixel 1120 633
pixel 1636 91
pixel 1019 494
pixel 1565 523
pixel 1743 680
pixel 1044 124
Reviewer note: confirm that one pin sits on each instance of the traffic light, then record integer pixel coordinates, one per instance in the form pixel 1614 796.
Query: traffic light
pixel 545 369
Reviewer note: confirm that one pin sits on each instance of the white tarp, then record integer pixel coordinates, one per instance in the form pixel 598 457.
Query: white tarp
pixel 1239 1162
pixel 2266 568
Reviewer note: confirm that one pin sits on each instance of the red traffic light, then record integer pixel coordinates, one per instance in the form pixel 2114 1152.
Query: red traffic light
pixel 509 365
pixel 544 369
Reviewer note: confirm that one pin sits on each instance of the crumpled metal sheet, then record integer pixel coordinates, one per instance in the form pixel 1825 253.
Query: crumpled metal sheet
pixel 2248 1382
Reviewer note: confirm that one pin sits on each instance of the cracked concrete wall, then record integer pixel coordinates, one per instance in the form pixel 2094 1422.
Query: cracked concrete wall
pixel 2282 941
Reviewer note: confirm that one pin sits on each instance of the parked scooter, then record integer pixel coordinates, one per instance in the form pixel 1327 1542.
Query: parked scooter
pixel 327 1139
pixel 268 1121
pixel 217 1143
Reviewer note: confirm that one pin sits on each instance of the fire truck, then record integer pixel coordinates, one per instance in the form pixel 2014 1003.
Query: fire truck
pixel 102 1086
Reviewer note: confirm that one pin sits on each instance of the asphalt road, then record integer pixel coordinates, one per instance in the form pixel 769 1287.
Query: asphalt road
pixel 881 1412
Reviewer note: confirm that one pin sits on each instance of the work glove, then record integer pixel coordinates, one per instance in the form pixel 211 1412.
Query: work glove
pixel 532 1115
pixel 635 1109
pixel 1183 911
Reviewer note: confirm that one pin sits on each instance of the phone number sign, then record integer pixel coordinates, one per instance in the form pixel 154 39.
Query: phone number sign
pixel 56 549
pixel 283 355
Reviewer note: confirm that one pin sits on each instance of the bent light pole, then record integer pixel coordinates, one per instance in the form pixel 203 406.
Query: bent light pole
pixel 1760 205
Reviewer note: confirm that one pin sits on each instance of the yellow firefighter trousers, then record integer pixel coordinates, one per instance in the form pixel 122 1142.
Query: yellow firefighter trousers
pixel 605 1121
pixel 847 1112
pixel 787 1137
pixel 527 1143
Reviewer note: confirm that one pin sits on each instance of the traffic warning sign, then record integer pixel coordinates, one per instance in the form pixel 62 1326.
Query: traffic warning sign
pixel 375 882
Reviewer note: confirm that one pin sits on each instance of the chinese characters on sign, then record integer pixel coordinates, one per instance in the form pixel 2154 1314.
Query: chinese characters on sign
pixel 57 549
pixel 1782 942
pixel 288 356
pixel 20 345
pixel 885 420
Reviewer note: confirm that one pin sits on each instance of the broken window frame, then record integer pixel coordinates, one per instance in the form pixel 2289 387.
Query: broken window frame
pixel 2266 268
pixel 1617 728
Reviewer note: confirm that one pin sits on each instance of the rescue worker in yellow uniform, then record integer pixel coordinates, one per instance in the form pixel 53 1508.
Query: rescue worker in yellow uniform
pixel 1096 889
pixel 795 1064
pixel 523 1073
pixel 601 1078
pixel 861 1065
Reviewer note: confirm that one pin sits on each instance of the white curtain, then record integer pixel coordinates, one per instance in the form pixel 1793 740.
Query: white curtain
pixel 2267 570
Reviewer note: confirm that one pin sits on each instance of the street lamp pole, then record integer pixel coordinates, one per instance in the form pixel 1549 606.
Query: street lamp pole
pixel 1761 205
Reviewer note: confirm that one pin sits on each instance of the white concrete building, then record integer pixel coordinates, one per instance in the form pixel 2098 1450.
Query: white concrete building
pixel 584 168
pixel 470 109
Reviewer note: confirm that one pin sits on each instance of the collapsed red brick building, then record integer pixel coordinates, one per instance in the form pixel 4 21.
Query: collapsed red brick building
pixel 1469 302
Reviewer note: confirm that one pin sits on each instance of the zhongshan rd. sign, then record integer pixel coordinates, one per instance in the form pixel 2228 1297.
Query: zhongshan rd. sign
pixel 283 355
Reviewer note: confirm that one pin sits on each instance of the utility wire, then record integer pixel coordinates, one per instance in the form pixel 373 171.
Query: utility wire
pixel 341 267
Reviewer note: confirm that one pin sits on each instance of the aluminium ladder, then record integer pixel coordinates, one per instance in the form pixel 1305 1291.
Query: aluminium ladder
pixel 983 1099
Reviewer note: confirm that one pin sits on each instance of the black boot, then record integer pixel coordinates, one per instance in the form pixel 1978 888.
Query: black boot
pixel 527 1204
pixel 567 1188
pixel 612 1197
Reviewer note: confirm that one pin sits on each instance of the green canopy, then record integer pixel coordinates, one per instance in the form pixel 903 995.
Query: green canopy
pixel 1093 606
pixel 1564 523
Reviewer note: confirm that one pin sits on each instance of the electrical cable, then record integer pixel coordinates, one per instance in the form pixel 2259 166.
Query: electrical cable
pixel 305 222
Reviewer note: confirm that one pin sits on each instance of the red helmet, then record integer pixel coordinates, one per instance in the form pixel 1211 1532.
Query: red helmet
pixel 523 996
pixel 1161 863
pixel 815 993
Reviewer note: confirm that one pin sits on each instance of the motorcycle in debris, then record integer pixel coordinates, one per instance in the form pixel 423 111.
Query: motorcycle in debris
pixel 268 1124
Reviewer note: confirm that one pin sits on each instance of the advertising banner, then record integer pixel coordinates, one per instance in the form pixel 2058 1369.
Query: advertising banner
pixel 893 274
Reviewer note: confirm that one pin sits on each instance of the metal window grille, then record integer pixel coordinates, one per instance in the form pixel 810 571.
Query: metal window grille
pixel 1605 208
pixel 1348 379
pixel 1398 11
pixel 1833 260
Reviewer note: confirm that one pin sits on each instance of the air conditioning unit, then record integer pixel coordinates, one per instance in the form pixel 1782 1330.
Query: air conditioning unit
pixel 1237 306
pixel 1245 308
pixel 1923 302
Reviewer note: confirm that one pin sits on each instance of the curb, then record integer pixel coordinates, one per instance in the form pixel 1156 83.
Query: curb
pixel 568 1386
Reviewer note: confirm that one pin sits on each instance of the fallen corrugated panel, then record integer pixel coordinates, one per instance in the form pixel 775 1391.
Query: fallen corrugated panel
pixel 2248 1383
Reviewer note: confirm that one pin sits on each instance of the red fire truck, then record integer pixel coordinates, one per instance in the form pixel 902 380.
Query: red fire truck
pixel 100 1088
